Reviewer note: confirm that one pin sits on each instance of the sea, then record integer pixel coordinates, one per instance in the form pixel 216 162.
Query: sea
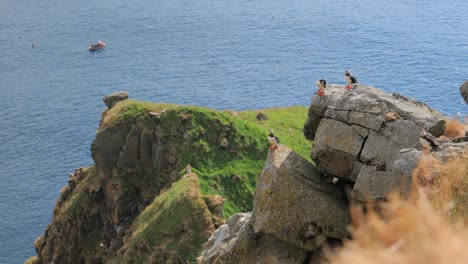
pixel 223 54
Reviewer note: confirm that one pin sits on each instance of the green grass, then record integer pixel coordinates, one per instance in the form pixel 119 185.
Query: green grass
pixel 286 123
pixel 230 172
pixel 177 221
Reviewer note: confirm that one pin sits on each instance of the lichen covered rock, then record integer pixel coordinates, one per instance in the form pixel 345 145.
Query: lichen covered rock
pixel 356 141
pixel 295 204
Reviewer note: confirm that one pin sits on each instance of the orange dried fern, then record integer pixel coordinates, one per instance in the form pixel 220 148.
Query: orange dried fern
pixel 454 129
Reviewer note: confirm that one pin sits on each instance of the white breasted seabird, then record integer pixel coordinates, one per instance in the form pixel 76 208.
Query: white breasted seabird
pixel 428 141
pixel 350 80
pixel 321 85
pixel 274 140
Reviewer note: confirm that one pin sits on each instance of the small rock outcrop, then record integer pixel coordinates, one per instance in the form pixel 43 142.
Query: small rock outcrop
pixel 261 117
pixel 464 91
pixel 407 159
pixel 111 99
pixel 236 242
pixel 357 135
pixel 295 211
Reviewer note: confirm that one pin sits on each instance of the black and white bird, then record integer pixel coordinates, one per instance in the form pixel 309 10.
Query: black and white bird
pixel 428 141
pixel 321 85
pixel 274 140
pixel 350 80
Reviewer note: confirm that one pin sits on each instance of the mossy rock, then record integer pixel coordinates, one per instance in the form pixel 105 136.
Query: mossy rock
pixel 171 229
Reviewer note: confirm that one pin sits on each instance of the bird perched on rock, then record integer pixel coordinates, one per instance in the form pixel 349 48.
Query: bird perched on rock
pixel 350 80
pixel 274 141
pixel 321 85
pixel 428 141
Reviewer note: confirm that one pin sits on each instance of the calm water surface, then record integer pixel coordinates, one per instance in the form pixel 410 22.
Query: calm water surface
pixel 220 53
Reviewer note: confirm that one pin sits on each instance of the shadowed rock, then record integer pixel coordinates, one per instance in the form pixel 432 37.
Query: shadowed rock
pixel 294 204
pixel 235 242
pixel 261 117
pixel 464 91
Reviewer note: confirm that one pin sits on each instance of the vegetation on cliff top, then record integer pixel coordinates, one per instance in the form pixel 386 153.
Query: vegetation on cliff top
pixel 230 171
pixel 226 150
pixel 287 123
pixel 174 226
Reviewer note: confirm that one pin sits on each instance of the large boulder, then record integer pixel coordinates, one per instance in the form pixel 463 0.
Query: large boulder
pixel 111 99
pixel 358 134
pixel 294 204
pixel 295 211
pixel 235 242
pixel 464 91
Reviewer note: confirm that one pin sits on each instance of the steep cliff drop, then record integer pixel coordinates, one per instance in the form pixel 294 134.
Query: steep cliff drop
pixel 131 204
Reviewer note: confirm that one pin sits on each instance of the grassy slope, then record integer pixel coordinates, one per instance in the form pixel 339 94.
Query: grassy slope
pixel 176 224
pixel 232 175
pixel 286 123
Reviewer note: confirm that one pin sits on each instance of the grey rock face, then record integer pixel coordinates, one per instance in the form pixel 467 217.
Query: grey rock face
pixel 374 184
pixel 353 140
pixel 235 242
pixel 111 99
pixel 450 150
pixel 407 159
pixel 464 91
pixel 367 107
pixel 295 211
pixel 294 204
pixel 337 146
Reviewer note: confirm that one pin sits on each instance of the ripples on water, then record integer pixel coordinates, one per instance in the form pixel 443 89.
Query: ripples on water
pixel 222 54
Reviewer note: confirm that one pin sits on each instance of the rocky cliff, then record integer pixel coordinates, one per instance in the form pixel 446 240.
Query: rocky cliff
pixel 165 176
pixel 295 211
pixel 365 140
pixel 357 135
pixel 132 203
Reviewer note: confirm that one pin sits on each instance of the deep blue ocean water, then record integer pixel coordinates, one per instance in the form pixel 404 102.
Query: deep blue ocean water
pixel 222 54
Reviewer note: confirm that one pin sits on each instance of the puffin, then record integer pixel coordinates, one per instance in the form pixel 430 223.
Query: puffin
pixel 274 141
pixel 321 85
pixel 428 141
pixel 350 80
